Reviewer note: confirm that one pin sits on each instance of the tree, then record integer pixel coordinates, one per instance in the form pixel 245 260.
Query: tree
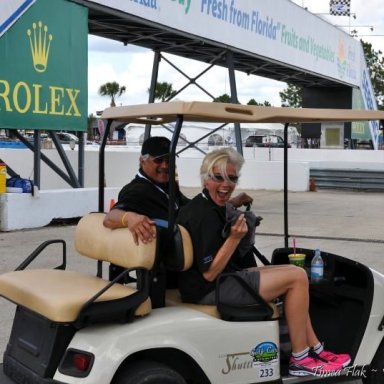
pixel 111 90
pixel 164 91
pixel 254 102
pixel 375 64
pixel 292 96
pixel 224 98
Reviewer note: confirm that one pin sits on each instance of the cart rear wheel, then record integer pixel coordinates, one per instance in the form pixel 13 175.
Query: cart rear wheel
pixel 148 372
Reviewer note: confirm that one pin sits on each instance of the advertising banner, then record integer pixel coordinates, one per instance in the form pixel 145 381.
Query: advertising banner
pixel 10 11
pixel 278 30
pixel 43 72
pixel 369 99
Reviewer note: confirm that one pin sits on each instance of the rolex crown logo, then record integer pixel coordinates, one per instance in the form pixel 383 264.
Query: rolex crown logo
pixel 40 42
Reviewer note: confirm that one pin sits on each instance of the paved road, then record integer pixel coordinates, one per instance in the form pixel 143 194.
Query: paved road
pixel 345 223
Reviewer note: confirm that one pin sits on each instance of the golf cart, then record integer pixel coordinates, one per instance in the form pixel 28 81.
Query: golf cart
pixel 70 327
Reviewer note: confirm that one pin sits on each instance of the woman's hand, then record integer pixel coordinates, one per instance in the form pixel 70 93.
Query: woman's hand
pixel 239 228
pixel 224 254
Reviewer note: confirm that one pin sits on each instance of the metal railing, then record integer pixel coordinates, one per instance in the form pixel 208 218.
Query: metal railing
pixel 355 179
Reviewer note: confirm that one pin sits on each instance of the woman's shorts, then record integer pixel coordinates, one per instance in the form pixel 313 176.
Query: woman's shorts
pixel 233 292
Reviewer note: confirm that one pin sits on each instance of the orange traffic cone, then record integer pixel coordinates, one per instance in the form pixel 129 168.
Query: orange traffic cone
pixel 312 185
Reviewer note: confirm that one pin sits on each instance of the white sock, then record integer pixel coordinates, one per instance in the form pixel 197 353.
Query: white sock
pixel 300 355
pixel 318 348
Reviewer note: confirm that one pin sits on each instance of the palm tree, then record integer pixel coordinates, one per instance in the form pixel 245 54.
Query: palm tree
pixel 111 90
pixel 164 91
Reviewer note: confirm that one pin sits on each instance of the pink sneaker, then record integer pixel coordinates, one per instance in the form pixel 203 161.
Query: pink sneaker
pixel 311 366
pixel 341 359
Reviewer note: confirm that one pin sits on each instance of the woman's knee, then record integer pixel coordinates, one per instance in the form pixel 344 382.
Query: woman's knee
pixel 300 276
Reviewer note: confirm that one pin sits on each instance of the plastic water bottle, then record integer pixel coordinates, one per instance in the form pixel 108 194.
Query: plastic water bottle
pixel 317 267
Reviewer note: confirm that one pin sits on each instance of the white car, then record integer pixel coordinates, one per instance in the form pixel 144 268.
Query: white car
pixel 74 328
pixel 66 137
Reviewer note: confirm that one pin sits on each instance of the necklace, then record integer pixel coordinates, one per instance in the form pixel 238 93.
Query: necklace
pixel 139 174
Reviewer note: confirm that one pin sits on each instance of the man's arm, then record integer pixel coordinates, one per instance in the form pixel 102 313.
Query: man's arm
pixel 141 227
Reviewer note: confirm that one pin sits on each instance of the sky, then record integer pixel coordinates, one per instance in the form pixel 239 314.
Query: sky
pixel 131 66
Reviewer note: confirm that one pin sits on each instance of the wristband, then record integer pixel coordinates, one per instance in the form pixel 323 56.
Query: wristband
pixel 122 219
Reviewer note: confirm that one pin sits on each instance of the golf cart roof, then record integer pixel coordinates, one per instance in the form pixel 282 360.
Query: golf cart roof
pixel 161 113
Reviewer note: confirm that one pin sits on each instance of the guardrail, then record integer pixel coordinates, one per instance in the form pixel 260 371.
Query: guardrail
pixel 355 179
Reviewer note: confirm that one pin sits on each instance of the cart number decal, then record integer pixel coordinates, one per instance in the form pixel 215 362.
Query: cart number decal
pixel 265 359
pixel 266 372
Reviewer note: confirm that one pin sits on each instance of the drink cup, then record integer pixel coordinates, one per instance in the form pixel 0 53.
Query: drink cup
pixel 297 259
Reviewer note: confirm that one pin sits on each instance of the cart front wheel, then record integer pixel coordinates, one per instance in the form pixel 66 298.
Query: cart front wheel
pixel 148 372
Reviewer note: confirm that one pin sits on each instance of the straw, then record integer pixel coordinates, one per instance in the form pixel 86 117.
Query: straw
pixel 294 246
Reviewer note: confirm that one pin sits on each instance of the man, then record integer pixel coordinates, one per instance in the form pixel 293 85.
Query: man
pixel 146 197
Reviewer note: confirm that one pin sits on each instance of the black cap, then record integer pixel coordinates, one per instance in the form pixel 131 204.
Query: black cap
pixel 156 146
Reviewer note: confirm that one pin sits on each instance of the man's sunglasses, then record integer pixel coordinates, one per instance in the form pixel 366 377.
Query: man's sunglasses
pixel 159 160
pixel 219 178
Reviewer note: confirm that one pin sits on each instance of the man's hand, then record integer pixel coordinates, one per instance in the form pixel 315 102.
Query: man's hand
pixel 241 199
pixel 141 227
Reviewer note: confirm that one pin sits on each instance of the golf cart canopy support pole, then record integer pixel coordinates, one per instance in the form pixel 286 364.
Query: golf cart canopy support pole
pixel 102 165
pixel 286 232
pixel 172 173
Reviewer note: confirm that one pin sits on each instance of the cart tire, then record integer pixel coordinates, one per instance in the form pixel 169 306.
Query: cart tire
pixel 148 372
pixel 376 371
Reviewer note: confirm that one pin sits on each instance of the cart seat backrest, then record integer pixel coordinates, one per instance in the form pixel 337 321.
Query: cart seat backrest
pixel 179 257
pixel 116 246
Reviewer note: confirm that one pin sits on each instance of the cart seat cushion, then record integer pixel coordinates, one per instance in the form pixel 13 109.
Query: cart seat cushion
pixel 173 298
pixel 59 295
pixel 116 246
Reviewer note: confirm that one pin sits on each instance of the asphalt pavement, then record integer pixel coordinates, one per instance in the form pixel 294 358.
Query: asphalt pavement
pixel 350 224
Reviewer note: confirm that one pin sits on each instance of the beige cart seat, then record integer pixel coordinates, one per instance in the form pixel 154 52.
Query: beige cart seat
pixel 60 295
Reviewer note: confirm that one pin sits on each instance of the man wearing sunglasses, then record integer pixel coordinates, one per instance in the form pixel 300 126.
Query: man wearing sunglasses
pixel 146 197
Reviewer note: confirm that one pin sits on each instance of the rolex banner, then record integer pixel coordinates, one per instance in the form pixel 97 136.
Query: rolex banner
pixel 43 71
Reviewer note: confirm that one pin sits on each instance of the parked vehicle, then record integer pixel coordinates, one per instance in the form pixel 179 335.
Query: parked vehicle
pixel 66 138
pixel 272 141
pixel 72 328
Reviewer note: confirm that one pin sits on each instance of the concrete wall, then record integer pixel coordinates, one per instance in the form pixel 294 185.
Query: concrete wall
pixel 23 211
pixel 263 169
pixel 122 163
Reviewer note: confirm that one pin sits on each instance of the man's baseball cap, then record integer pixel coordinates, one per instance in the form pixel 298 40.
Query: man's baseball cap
pixel 156 146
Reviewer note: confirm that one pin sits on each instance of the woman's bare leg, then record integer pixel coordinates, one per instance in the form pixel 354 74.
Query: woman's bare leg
pixel 292 282
pixel 311 335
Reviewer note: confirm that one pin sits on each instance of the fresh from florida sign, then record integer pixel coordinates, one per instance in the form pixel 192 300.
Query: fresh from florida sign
pixel 43 71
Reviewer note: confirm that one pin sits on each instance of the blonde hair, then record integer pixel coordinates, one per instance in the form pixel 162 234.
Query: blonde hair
pixel 220 158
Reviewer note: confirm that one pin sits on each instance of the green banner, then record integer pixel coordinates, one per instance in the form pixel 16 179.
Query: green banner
pixel 43 68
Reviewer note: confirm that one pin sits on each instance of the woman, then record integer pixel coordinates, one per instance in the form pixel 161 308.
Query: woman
pixel 204 217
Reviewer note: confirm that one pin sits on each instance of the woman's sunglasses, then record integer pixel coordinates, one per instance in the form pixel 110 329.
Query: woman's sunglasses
pixel 219 178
